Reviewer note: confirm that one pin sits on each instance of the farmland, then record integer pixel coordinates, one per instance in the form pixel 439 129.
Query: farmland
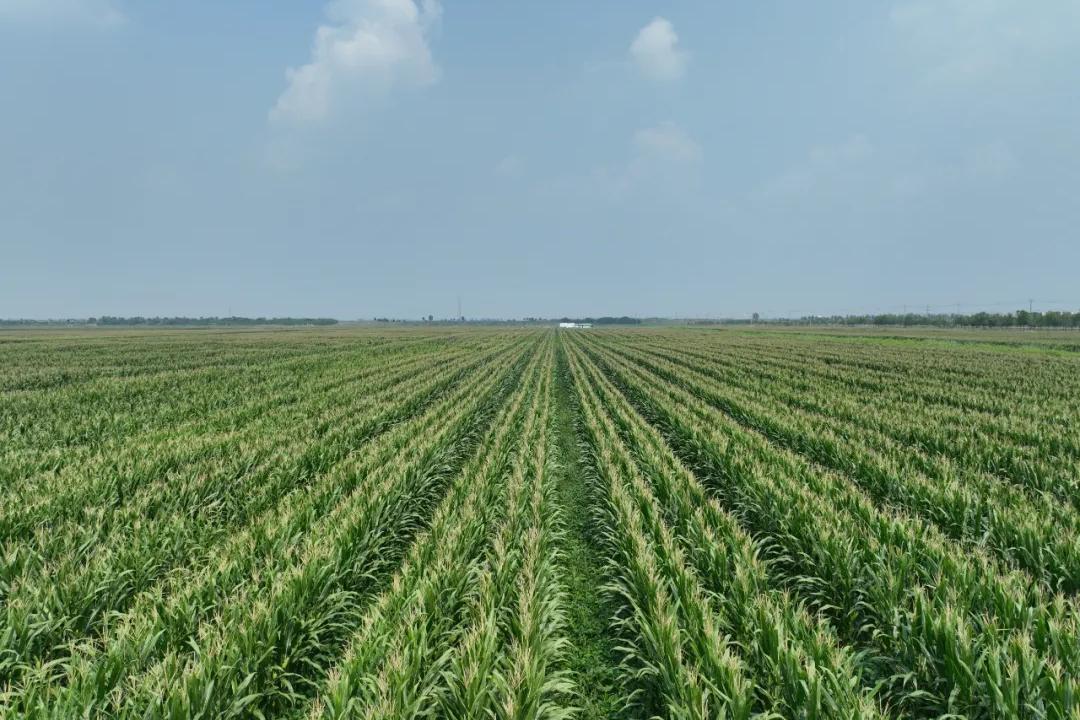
pixel 536 523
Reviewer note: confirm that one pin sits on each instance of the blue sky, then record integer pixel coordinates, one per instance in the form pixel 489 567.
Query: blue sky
pixel 382 157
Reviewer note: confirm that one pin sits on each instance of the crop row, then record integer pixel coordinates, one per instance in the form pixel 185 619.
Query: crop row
pixel 91 566
pixel 537 525
pixel 1026 443
pixel 1036 533
pixel 705 634
pixel 940 628
pixel 302 561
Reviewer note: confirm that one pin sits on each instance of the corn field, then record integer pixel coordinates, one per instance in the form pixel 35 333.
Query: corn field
pixel 450 522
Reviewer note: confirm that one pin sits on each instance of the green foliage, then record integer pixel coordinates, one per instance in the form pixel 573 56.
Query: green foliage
pixel 522 524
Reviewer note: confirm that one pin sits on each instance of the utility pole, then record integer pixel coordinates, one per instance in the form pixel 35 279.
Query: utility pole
pixel 461 318
pixel 1030 304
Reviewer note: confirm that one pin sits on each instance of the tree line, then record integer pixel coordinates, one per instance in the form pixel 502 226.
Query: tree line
pixel 170 321
pixel 1020 318
pixel 232 320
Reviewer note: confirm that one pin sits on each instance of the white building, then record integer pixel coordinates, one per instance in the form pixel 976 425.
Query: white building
pixel 575 325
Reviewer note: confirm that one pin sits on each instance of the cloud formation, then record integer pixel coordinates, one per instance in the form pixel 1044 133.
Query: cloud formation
pixel 665 162
pixel 992 162
pixel 825 167
pixel 509 166
pixel 963 41
pixel 667 143
pixel 661 164
pixel 365 50
pixel 97 13
pixel 656 52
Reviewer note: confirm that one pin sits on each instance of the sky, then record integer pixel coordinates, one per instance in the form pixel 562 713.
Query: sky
pixel 366 158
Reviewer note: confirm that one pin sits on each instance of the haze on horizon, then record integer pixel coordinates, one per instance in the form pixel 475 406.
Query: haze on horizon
pixel 383 157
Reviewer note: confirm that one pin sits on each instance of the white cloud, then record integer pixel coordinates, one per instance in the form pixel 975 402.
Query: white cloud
pixel 858 174
pixel 666 143
pixel 367 48
pixel 961 41
pixel 992 162
pixel 842 164
pixel 972 169
pixel 509 166
pixel 656 51
pixel 665 162
pixel 97 13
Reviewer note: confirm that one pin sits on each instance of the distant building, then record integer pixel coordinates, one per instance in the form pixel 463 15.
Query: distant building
pixel 574 325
